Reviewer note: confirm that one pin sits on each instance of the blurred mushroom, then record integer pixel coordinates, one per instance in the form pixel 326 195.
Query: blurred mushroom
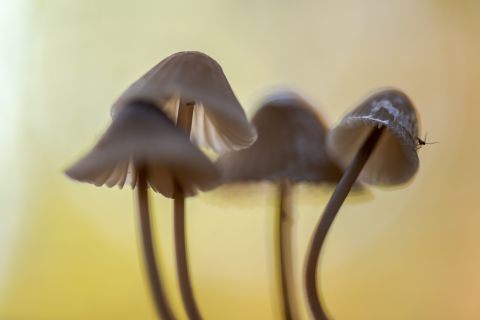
pixel 290 149
pixel 193 90
pixel 378 142
pixel 144 147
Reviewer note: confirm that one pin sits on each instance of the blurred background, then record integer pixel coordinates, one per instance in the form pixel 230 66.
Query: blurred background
pixel 70 250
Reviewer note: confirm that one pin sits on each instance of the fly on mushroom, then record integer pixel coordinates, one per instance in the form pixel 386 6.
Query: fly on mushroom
pixel 421 143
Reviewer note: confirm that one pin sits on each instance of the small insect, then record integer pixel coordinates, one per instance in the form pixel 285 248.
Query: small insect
pixel 421 143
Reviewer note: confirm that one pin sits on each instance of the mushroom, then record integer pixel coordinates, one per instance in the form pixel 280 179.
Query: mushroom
pixel 142 147
pixel 193 90
pixel 378 141
pixel 192 82
pixel 290 149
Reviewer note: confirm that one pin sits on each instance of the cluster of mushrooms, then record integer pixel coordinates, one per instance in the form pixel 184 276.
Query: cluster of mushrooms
pixel 185 102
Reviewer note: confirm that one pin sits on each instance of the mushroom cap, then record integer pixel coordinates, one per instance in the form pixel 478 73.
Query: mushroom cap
pixel 290 145
pixel 141 134
pixel 219 120
pixel 394 160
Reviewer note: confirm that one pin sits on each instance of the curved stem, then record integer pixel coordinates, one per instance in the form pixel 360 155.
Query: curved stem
pixel 285 252
pixel 181 254
pixel 334 204
pixel 161 303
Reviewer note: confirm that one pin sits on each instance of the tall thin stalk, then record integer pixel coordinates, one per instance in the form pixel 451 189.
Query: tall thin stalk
pixel 285 252
pixel 338 197
pixel 161 303
pixel 181 254
pixel 184 122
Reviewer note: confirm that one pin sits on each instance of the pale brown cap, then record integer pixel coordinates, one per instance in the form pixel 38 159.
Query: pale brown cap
pixel 290 145
pixel 141 134
pixel 219 120
pixel 394 160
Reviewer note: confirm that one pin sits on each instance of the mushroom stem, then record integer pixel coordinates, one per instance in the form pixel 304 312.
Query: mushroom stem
pixel 184 122
pixel 185 116
pixel 161 303
pixel 181 254
pixel 334 204
pixel 285 250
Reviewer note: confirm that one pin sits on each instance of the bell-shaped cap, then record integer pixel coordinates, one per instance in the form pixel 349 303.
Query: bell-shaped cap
pixel 219 120
pixel 142 135
pixel 290 145
pixel 394 160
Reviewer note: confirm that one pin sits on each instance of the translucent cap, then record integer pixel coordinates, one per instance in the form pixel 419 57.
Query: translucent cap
pixel 141 134
pixel 219 121
pixel 394 160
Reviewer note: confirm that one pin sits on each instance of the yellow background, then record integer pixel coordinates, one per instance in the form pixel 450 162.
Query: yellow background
pixel 70 250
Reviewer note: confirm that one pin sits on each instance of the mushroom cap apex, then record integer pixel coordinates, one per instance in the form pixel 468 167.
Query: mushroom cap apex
pixel 192 76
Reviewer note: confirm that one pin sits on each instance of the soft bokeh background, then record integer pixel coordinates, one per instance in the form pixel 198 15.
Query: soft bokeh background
pixel 70 251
